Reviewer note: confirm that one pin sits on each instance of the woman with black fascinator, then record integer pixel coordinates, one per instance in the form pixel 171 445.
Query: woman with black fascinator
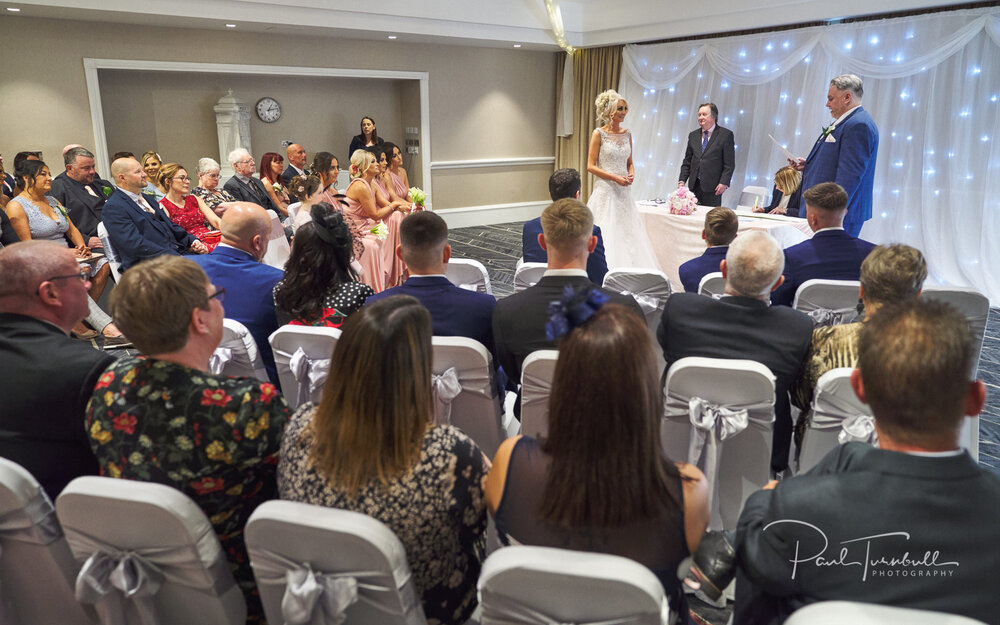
pixel 320 287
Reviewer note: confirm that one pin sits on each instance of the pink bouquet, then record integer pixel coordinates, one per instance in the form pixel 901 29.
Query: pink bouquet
pixel 682 202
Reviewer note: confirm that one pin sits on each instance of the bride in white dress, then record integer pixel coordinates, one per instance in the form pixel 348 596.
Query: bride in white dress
pixel 610 160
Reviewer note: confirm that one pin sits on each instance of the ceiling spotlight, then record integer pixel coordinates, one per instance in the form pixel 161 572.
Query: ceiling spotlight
pixel 14 9
pixel 230 25
pixel 391 37
pixel 517 45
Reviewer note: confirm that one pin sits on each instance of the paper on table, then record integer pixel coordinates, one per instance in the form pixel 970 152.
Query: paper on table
pixel 790 156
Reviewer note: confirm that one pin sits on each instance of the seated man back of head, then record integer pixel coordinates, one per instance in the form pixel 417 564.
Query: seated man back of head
pixel 563 183
pixel 519 320
pixel 235 265
pixel 831 253
pixel 720 229
pixel 46 377
pixel 743 325
pixel 911 523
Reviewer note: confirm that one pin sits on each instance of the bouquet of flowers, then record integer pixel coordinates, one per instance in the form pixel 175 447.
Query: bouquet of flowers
pixel 380 230
pixel 682 202
pixel 419 197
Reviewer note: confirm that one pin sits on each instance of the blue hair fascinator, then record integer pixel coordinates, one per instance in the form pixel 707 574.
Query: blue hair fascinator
pixel 573 310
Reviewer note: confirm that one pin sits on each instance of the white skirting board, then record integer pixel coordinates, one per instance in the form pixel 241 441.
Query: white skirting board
pixel 492 213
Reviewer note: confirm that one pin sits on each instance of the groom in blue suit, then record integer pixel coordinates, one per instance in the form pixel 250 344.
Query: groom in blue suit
pixel 845 152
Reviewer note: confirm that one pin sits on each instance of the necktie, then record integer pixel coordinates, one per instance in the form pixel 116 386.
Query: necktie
pixel 704 139
pixel 253 189
pixel 144 204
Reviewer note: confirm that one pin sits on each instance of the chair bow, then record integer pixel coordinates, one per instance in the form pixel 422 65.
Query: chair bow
pixel 648 303
pixel 217 362
pixel 445 387
pixel 469 286
pixel 305 590
pixel 310 373
pixel 500 609
pixel 133 576
pixel 830 316
pixel 858 428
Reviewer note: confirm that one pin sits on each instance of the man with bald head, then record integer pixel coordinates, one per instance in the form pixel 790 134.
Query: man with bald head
pixel 137 226
pixel 296 156
pixel 743 324
pixel 235 265
pixel 46 377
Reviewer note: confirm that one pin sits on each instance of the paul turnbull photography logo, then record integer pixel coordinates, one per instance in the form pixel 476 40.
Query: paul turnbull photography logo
pixel 811 546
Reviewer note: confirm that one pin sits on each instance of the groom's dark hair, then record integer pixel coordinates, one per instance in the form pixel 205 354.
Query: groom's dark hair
pixel 564 183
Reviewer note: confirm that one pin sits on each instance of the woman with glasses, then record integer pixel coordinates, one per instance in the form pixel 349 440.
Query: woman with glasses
pixel 165 417
pixel 208 190
pixel 270 175
pixel 186 209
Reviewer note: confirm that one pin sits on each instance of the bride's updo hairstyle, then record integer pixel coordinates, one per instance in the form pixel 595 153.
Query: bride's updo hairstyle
pixel 606 103
pixel 359 162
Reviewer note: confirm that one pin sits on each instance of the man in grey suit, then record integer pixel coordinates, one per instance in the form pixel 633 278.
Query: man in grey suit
pixel 710 158
pixel 911 523
pixel 243 186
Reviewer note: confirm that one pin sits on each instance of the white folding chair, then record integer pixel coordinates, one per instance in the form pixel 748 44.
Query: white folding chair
pixel 278 249
pixel 750 194
pixel 237 354
pixel 837 416
pixel 527 274
pixel 976 308
pixel 537 372
pixel 469 274
pixel 465 391
pixel 302 356
pixel 828 302
pixel 649 287
pixel 109 252
pixel 37 570
pixel 719 415
pixel 329 564
pixel 712 284
pixel 149 554
pixel 856 613
pixel 536 585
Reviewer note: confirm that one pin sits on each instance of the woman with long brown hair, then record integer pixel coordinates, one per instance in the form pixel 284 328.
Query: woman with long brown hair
pixel 599 481
pixel 371 446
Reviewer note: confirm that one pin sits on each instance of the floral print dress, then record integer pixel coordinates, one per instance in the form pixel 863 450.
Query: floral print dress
pixel 212 437
pixel 437 510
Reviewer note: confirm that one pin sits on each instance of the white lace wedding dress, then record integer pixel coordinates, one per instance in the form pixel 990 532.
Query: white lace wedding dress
pixel 625 240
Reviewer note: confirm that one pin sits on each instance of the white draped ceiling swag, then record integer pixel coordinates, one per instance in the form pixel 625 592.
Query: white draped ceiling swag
pixel 931 83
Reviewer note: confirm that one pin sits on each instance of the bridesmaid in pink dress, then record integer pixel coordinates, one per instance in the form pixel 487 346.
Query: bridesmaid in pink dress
pixel 363 212
pixel 385 188
pixel 400 181
pixel 186 209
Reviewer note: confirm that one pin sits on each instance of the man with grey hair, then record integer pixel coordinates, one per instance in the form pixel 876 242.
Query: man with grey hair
pixel 743 324
pixel 46 377
pixel 82 191
pixel 243 186
pixel 845 152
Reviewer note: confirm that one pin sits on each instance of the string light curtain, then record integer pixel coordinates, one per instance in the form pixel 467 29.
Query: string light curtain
pixel 931 82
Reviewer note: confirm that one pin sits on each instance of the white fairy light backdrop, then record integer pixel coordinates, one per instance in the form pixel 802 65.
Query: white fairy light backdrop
pixel 931 82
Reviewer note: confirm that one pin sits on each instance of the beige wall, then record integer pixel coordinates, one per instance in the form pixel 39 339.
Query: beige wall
pixel 484 103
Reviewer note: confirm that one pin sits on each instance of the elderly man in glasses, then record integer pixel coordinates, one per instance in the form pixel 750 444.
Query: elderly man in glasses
pixel 46 377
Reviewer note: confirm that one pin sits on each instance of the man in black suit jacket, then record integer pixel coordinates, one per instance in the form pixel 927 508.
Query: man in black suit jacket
pixel 710 158
pixel 296 155
pixel 81 191
pixel 519 320
pixel 46 377
pixel 243 186
pixel 910 524
pixel 137 225
pixel 742 324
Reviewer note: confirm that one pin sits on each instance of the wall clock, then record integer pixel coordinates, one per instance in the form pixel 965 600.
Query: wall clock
pixel 268 110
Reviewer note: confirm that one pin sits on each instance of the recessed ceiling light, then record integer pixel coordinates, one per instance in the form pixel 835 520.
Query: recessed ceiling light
pixel 391 37
pixel 230 25
pixel 14 9
pixel 517 45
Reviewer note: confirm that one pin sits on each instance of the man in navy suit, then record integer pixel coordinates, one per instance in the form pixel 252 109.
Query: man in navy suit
pixel 243 186
pixel 296 155
pixel 720 229
pixel 235 265
pixel 710 158
pixel 845 152
pixel 563 183
pixel 137 226
pixel 831 253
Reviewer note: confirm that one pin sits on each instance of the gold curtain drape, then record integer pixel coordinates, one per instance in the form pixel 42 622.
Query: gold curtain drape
pixel 594 70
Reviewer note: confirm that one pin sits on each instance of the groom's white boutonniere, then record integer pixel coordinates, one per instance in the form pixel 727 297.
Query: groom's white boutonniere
pixel 826 132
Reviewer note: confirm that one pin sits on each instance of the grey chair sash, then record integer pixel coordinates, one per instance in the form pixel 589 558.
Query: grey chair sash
pixel 35 523
pixel 832 316
pixel 217 361
pixel 502 610
pixel 445 387
pixel 858 428
pixel 310 373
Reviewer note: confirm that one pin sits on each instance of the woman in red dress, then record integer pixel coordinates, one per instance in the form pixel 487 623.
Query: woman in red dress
pixel 187 210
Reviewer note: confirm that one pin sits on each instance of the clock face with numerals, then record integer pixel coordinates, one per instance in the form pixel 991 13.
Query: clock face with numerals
pixel 268 110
